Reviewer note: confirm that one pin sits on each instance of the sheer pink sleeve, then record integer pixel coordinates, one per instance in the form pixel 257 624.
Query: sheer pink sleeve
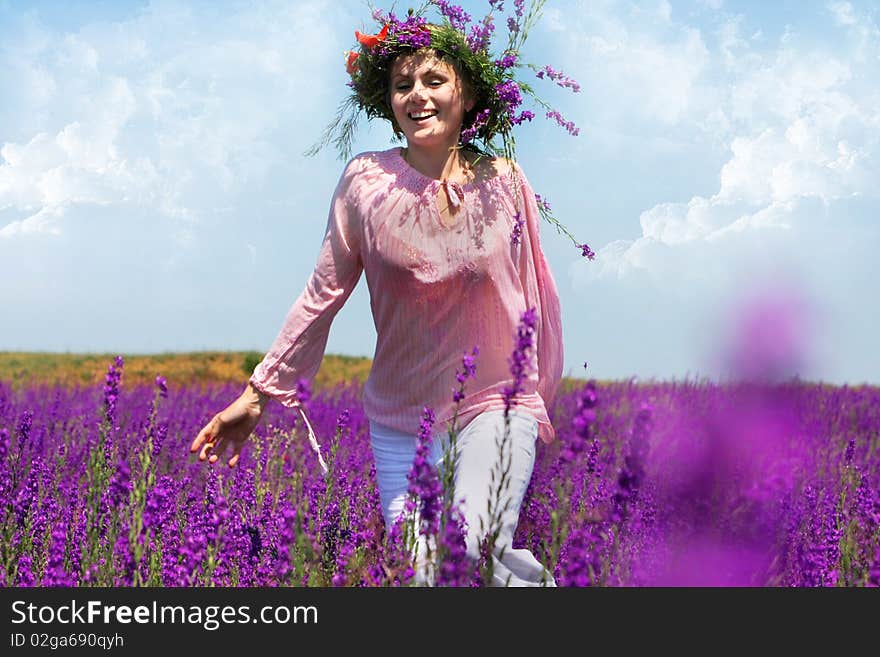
pixel 298 349
pixel 540 291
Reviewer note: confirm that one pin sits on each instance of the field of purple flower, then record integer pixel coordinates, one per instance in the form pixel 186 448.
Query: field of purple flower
pixel 682 483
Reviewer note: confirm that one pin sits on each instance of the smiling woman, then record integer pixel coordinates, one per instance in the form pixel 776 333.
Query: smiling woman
pixel 433 224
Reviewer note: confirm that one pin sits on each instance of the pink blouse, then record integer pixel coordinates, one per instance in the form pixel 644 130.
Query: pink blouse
pixel 436 291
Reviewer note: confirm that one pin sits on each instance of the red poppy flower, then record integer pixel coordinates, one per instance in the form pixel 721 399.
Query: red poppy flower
pixel 351 62
pixel 371 40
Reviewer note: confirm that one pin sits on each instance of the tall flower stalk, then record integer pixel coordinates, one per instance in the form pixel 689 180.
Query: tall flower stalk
pixel 498 503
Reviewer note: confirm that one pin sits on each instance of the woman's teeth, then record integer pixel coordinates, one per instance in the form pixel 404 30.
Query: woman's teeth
pixel 421 116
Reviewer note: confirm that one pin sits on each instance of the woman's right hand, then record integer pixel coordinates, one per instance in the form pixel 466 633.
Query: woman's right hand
pixel 230 428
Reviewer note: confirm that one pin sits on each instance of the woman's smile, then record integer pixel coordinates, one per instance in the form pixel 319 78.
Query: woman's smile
pixel 422 116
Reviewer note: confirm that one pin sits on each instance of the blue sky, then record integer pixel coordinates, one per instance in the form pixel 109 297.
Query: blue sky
pixel 154 196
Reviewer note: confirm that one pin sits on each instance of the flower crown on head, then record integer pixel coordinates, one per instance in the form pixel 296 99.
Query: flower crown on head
pixel 497 92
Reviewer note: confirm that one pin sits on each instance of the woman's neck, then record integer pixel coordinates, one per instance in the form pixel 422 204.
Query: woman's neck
pixel 446 163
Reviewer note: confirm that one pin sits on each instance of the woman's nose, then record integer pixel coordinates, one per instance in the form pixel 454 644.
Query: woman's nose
pixel 418 90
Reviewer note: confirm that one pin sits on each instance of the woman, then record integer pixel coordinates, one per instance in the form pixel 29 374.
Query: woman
pixel 430 224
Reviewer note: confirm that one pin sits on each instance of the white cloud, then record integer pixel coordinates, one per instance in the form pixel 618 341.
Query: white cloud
pixel 843 13
pixel 176 109
pixel 797 188
pixel 647 70
pixel 44 221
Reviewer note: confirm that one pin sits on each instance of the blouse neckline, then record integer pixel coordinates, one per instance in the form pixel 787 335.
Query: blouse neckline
pixel 416 180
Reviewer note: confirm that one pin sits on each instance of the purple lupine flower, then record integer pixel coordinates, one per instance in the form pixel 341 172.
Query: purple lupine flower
pixel 328 534
pixel 630 477
pixel 25 422
pixel 818 554
pixel 55 575
pixel 518 223
pixel 344 554
pixel 5 470
pixel 424 482
pixel 850 451
pixel 481 34
pixel 468 371
pixel 111 388
pixel 216 511
pixel 525 115
pixel 162 384
pixel 508 92
pixel 24 577
pixel 559 78
pixel 120 484
pixel 413 32
pixel 46 513
pixel 397 558
pixel 255 544
pixel 4 443
pixel 343 420
pixel 586 251
pixel 833 534
pixel 543 203
pixel 159 506
pixel 455 567
pixel 303 391
pixel 568 125
pixel 580 559
pixel 28 495
pixel 479 121
pixel 583 420
pixel 593 457
pixel 286 539
pixel 520 359
pixel 864 510
pixel 159 438
pixel 456 16
pixel 874 570
pixel 507 61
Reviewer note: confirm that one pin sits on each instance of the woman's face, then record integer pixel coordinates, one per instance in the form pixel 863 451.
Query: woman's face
pixel 428 100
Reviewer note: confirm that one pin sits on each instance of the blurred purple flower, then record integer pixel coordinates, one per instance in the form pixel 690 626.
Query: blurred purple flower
pixel 769 336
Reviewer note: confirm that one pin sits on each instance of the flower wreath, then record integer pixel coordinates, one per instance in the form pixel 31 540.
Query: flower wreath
pixel 498 94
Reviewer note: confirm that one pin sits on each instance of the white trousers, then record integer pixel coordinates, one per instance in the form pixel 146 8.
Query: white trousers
pixel 478 448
